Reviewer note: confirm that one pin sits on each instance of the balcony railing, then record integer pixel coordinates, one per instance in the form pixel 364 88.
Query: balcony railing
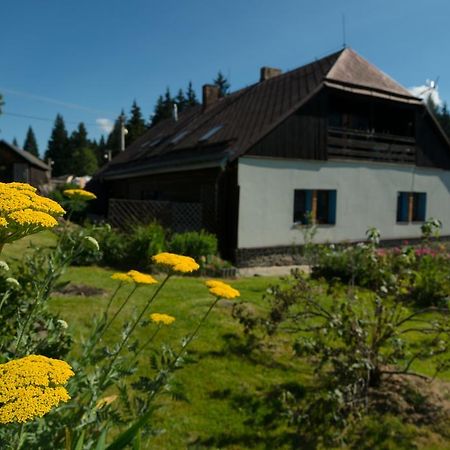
pixel 364 145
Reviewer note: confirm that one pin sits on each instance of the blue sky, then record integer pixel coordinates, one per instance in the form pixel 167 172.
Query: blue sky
pixel 87 59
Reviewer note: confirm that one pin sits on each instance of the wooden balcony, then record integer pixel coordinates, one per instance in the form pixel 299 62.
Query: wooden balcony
pixel 362 145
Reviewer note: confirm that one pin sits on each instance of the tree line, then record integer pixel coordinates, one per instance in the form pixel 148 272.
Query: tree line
pixel 79 155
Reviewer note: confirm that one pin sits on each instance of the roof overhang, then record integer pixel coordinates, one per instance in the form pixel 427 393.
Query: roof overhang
pixel 168 166
pixel 362 90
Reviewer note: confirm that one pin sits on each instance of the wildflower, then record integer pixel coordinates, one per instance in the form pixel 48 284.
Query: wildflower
pixel 162 318
pixel 221 289
pixel 91 243
pixel 122 277
pixel 105 401
pixel 141 278
pixel 12 282
pixel 3 222
pixel 31 386
pixel 79 194
pixel 175 262
pixel 4 266
pixel 20 186
pixel 62 323
pixel 33 219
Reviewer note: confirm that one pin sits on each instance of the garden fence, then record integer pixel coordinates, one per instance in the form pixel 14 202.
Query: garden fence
pixel 179 217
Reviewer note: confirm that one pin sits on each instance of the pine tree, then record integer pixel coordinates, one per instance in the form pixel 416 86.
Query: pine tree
pixel 101 151
pixel 30 144
pixel 180 100
pixel 58 148
pixel 15 143
pixel 114 138
pixel 84 162
pixel 222 83
pixel 191 97
pixel 79 137
pixel 136 124
pixel 163 108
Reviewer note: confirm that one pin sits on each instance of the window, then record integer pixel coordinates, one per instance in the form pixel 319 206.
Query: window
pixel 411 207
pixel 210 133
pixel 319 204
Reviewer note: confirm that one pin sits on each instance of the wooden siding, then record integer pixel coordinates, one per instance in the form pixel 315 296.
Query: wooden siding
pixel 432 148
pixel 302 135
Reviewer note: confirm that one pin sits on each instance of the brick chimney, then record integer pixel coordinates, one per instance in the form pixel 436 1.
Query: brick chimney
pixel 269 72
pixel 210 95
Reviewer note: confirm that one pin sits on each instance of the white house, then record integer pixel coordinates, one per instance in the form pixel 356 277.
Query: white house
pixel 336 139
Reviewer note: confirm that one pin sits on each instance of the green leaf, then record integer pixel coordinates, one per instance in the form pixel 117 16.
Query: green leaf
pixel 80 442
pixel 127 436
pixel 137 441
pixel 102 441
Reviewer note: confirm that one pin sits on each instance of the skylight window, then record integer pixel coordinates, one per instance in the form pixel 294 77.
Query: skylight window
pixel 210 133
pixel 151 143
pixel 178 137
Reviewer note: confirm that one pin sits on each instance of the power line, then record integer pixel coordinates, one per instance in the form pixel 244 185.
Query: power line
pixel 46 119
pixel 53 101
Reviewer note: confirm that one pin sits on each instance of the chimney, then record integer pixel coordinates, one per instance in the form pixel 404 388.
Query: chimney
pixel 210 95
pixel 269 72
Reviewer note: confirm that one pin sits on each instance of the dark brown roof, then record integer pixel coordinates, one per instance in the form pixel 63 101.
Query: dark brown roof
pixel 242 118
pixel 26 155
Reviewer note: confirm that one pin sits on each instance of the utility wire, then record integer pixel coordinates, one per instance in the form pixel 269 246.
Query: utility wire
pixel 46 119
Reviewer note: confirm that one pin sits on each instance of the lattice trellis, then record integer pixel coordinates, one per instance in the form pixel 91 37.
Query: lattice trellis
pixel 179 217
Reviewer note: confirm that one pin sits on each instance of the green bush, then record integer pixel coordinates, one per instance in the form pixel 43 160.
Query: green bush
pixel 196 244
pixel 144 242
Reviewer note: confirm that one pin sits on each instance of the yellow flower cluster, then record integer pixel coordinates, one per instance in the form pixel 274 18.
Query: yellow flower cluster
pixel 24 212
pixel 79 194
pixel 220 289
pixel 177 263
pixel 162 318
pixel 141 278
pixel 133 276
pixel 31 386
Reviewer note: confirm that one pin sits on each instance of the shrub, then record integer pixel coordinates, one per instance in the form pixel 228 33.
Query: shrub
pixel 146 241
pixel 196 244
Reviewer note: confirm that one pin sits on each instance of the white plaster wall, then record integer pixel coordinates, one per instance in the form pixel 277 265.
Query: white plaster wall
pixel 366 197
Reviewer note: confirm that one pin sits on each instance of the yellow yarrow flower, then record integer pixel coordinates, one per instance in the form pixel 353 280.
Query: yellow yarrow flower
pixel 30 218
pixel 178 263
pixel 222 290
pixel 162 318
pixel 122 277
pixel 20 186
pixel 141 278
pixel 31 386
pixel 23 212
pixel 79 194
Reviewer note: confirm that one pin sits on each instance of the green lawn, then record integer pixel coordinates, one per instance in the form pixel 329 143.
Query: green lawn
pixel 226 389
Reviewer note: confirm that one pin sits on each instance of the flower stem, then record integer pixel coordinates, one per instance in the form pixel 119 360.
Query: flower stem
pixel 148 342
pixel 127 336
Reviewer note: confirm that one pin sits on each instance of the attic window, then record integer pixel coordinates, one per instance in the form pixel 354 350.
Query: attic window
pixel 151 143
pixel 178 137
pixel 210 133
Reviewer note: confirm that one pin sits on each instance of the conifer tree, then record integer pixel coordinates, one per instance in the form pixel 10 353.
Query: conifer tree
pixel 58 148
pixel 84 162
pixel 15 143
pixel 114 138
pixel 180 100
pixel 191 97
pixel 30 144
pixel 135 125
pixel 163 108
pixel 222 83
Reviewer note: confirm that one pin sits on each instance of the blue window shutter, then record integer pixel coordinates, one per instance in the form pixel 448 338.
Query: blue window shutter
pixel 402 207
pixel 308 204
pixel 422 206
pixel 332 207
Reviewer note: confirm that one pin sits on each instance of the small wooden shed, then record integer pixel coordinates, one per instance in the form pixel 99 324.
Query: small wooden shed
pixel 19 165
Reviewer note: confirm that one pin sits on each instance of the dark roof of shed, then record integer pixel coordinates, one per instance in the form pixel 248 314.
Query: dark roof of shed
pixel 33 160
pixel 248 115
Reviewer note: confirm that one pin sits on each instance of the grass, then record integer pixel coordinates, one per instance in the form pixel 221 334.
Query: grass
pixel 226 392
